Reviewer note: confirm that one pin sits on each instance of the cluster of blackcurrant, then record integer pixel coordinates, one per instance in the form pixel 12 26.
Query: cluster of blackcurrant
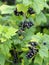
pixel 26 24
pixel 31 11
pixel 31 53
pixel 14 55
pixel 32 50
pixel 18 13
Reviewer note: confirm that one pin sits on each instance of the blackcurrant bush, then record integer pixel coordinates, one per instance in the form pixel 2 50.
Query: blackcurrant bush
pixel 31 11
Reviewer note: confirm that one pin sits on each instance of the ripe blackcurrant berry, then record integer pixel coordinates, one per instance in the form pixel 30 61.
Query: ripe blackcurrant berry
pixel 21 13
pixel 44 43
pixel 30 24
pixel 33 43
pixel 30 48
pixel 29 55
pixel 31 11
pixel 31 52
pixel 25 24
pixel 16 13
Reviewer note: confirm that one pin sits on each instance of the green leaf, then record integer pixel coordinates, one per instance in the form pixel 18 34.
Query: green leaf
pixel 38 60
pixel 4 48
pixel 38 5
pixel 22 7
pixel 2 59
pixel 5 9
pixel 43 51
pixel 6 32
pixel 40 19
pixel 27 2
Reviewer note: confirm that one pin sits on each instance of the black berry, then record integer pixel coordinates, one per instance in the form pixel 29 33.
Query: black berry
pixel 21 13
pixel 31 11
pixel 33 43
pixel 44 43
pixel 16 13
pixel 25 24
pixel 31 52
pixel 30 24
